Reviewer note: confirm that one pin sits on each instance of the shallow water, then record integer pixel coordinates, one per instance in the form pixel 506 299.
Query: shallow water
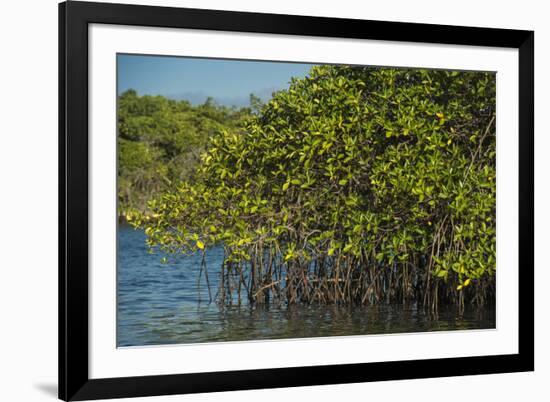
pixel 163 304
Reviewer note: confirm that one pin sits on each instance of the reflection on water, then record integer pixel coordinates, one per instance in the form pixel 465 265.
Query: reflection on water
pixel 163 304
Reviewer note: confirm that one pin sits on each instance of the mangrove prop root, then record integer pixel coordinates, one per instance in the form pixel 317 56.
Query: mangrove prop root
pixel 342 280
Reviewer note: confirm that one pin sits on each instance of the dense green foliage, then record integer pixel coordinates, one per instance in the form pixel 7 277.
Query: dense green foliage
pixel 355 185
pixel 160 141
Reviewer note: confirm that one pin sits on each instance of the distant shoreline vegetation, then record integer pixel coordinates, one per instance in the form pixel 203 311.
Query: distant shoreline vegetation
pixel 160 141
pixel 356 185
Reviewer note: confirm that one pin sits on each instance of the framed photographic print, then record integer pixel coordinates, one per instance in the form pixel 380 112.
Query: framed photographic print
pixel 257 200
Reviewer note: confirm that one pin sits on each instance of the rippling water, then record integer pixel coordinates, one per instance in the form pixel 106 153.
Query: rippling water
pixel 162 304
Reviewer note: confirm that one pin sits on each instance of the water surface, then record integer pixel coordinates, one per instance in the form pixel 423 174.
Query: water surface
pixel 164 304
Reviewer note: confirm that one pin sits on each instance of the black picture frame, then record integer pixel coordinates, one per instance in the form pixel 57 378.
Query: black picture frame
pixel 74 381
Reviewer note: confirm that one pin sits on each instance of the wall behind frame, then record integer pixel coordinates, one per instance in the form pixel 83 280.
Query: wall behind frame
pixel 28 201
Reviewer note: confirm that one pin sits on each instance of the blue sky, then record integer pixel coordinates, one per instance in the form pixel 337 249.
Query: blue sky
pixel 230 82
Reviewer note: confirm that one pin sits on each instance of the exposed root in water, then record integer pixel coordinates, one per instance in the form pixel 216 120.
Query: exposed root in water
pixel 345 280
